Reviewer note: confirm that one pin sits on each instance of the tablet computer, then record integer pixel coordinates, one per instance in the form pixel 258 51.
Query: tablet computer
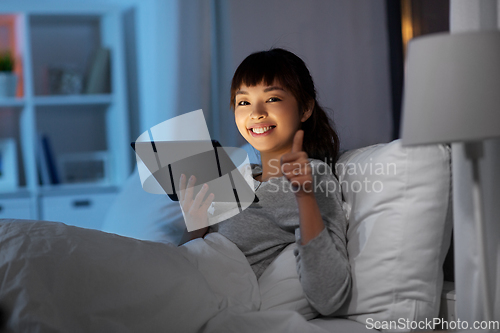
pixel 206 165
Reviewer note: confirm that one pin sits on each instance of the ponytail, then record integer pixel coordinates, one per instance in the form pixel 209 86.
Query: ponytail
pixel 320 139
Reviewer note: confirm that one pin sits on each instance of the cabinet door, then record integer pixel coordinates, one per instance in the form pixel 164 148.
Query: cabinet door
pixel 15 208
pixel 86 211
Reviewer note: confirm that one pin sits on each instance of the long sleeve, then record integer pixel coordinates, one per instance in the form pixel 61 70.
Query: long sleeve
pixel 322 264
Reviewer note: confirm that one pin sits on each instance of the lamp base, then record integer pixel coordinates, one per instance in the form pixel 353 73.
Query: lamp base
pixel 474 151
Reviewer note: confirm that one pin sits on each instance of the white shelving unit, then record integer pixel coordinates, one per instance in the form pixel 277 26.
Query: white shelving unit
pixel 61 33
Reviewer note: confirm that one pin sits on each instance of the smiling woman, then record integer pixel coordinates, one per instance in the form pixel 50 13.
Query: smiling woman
pixel 276 111
pixel 283 78
pixel 268 118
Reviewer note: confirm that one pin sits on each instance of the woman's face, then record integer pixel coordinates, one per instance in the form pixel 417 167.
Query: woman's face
pixel 267 117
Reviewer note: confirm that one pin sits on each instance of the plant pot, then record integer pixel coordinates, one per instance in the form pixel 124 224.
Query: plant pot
pixel 8 84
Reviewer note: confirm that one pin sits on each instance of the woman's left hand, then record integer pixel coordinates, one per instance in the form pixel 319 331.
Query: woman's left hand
pixel 296 168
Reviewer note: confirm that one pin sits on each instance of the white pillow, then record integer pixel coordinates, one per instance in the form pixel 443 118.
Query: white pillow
pixel 280 288
pixel 138 214
pixel 397 201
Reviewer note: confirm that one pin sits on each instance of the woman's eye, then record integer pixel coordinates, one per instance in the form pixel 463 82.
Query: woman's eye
pixel 243 103
pixel 274 99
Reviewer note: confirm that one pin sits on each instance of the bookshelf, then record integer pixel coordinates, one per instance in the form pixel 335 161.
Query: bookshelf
pixel 59 49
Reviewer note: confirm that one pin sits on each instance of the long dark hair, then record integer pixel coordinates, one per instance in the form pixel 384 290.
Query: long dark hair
pixel 320 139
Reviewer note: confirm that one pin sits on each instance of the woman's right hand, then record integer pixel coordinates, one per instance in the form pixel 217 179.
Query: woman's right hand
pixel 195 211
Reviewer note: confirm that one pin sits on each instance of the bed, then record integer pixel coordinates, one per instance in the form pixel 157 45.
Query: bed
pixel 130 277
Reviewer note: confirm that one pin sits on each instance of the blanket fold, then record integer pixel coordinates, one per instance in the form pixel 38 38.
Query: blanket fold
pixel 55 277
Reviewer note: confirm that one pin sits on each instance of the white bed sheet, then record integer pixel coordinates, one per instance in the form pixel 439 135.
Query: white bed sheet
pixel 341 325
pixel 67 279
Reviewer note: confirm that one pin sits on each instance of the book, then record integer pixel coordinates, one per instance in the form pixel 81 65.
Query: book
pixel 43 169
pixel 50 160
pixel 98 77
pixel 48 172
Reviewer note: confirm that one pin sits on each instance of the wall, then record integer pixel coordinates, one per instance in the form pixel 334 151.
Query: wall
pixel 181 56
pixel 344 44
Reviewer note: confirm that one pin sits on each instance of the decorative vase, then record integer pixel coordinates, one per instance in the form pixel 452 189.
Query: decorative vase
pixel 8 84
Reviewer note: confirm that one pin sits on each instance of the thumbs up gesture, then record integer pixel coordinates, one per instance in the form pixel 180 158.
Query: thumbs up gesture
pixel 296 168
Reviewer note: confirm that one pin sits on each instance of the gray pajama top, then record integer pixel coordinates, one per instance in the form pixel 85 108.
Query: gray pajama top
pixel 265 228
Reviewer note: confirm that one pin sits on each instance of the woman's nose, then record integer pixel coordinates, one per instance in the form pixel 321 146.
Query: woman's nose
pixel 258 112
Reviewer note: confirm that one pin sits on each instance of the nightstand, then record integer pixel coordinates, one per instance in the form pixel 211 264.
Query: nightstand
pixel 448 298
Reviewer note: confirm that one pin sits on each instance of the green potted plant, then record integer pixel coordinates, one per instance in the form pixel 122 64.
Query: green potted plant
pixel 8 79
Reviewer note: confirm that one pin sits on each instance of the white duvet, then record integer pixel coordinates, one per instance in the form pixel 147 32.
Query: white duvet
pixel 61 278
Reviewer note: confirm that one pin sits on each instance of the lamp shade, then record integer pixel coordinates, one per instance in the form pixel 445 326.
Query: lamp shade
pixel 452 88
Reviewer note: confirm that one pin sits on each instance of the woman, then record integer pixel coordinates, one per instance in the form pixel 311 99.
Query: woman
pixel 276 111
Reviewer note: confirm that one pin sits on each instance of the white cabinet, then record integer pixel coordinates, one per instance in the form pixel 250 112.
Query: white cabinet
pixel 82 210
pixel 17 208
pixel 60 48
pixel 447 310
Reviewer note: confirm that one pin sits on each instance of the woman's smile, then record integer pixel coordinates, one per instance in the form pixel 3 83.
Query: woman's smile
pixel 261 130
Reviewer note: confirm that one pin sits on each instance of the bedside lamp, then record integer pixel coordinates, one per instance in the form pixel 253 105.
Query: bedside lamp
pixel 452 94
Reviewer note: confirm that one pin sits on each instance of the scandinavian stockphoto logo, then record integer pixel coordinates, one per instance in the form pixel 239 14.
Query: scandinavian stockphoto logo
pixel 367 177
pixel 182 145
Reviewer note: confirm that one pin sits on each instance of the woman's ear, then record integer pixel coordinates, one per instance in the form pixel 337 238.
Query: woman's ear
pixel 308 112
